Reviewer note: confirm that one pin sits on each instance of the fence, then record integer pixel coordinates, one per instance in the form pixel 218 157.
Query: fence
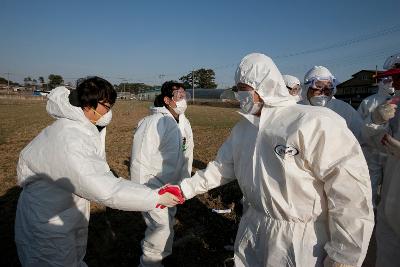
pixel 23 97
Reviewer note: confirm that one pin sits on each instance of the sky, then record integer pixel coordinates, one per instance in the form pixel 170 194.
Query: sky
pixel 155 41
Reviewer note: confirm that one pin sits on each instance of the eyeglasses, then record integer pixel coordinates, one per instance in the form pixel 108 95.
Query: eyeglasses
pixel 294 88
pixel 105 106
pixel 179 93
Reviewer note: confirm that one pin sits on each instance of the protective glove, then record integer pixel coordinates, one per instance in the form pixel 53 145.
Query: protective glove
pixel 383 113
pixel 328 262
pixel 170 195
pixel 392 145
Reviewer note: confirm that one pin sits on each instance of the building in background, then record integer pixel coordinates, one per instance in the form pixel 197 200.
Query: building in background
pixel 361 85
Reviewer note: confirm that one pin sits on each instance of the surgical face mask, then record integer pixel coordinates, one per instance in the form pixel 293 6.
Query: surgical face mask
pixel 297 98
pixel 181 106
pixel 105 119
pixel 320 100
pixel 247 102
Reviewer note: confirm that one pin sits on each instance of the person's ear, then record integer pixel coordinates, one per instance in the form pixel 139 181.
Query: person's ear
pixel 167 100
pixel 257 97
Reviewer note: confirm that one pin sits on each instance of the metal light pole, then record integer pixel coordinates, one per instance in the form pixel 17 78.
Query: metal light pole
pixel 123 80
pixel 161 77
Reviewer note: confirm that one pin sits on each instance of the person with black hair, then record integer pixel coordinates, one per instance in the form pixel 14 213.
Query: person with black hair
pixel 64 168
pixel 162 153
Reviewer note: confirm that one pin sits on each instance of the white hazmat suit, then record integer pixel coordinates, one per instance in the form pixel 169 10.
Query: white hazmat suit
pixel 388 218
pixel 303 174
pixel 162 153
pixel 61 171
pixel 374 157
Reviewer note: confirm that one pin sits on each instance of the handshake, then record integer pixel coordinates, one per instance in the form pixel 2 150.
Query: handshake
pixel 170 195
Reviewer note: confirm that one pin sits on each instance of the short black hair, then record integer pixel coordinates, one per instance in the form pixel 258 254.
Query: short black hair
pixel 167 90
pixel 92 90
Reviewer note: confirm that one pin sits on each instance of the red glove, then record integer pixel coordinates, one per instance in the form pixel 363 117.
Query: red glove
pixel 173 189
pixel 395 100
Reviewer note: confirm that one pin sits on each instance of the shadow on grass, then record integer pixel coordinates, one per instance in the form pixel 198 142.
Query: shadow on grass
pixel 114 235
pixel 8 206
pixel 200 237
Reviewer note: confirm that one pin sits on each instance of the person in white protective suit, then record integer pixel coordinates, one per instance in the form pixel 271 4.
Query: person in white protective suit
pixel 62 169
pixel 162 153
pixel 293 85
pixel 388 216
pixel 375 158
pixel 302 172
pixel 319 89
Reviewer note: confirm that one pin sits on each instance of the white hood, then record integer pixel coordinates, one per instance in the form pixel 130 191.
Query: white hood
pixel 291 81
pixel 162 110
pixel 319 72
pixel 260 72
pixel 391 61
pixel 58 106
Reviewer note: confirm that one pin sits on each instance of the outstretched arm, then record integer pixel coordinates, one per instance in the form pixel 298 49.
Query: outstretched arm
pixel 218 172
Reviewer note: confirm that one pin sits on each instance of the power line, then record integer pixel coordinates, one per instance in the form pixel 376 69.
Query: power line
pixel 349 42
pixel 359 39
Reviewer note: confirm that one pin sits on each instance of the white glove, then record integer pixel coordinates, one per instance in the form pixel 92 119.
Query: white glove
pixel 168 200
pixel 328 262
pixel 392 145
pixel 383 113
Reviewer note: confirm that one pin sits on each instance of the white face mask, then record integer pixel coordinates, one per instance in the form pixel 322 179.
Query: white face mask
pixel 320 100
pixel 297 98
pixel 247 102
pixel 181 106
pixel 105 119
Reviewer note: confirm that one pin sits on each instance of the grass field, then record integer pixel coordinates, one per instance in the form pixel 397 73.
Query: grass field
pixel 114 236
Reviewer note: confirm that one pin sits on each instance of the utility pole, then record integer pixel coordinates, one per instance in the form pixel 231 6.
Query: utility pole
pixel 8 81
pixel 193 86
pixel 161 77
pixel 123 80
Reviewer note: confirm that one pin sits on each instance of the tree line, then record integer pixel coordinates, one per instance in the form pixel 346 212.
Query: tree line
pixel 200 78
pixel 54 80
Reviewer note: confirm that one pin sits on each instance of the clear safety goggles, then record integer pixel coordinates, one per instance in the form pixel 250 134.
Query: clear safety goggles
pixel 387 80
pixel 324 85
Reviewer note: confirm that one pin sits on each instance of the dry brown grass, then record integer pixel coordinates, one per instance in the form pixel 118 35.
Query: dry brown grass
pixel 114 236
